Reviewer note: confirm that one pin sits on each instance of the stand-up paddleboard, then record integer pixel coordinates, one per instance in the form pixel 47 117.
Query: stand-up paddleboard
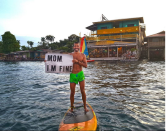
pixel 78 119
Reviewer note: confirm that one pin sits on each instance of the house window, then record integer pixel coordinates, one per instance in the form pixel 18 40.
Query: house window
pixel 155 40
pixel 116 25
pixel 104 27
pixel 130 25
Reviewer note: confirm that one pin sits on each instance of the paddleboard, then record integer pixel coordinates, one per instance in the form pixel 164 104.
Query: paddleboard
pixel 78 120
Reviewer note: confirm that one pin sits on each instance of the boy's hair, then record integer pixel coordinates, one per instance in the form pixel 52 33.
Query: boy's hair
pixel 76 43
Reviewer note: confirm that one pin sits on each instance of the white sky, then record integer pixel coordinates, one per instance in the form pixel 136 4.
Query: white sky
pixel 61 18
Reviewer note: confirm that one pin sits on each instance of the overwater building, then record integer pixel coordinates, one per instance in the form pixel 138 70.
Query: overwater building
pixel 28 55
pixel 112 39
pixel 156 46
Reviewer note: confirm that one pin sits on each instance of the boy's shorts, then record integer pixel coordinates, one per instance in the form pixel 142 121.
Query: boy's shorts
pixel 75 78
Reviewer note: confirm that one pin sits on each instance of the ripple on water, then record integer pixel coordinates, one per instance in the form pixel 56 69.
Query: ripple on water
pixel 124 96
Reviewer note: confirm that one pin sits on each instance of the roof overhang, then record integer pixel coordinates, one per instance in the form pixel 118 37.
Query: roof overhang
pixel 117 20
pixel 92 27
pixel 111 45
pixel 156 35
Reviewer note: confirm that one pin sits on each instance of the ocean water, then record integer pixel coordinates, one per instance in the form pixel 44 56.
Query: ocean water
pixel 124 95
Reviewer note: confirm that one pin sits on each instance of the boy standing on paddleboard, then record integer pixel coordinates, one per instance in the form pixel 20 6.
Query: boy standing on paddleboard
pixel 77 75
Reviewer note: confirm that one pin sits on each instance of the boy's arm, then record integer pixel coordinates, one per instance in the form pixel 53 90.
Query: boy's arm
pixel 70 53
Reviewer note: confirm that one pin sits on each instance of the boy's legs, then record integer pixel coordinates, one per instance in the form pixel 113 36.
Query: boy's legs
pixel 72 89
pixel 82 88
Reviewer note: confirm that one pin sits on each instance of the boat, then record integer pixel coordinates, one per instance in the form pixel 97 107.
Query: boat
pixel 84 49
pixel 78 119
pixel 90 60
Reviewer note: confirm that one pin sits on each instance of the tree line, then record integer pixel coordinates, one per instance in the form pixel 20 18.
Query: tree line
pixel 10 44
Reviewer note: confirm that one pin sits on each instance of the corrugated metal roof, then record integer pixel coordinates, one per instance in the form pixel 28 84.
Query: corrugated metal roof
pixel 160 34
pixel 140 18
pixel 92 27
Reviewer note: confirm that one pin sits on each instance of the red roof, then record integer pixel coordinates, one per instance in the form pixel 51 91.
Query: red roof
pixel 160 34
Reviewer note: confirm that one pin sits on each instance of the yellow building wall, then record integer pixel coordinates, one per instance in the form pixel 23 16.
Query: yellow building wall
pixel 112 37
pixel 118 30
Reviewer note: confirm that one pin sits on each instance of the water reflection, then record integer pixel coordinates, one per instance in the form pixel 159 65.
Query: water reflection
pixel 124 95
pixel 135 88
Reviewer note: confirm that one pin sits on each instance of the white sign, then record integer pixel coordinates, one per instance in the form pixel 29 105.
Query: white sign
pixel 58 63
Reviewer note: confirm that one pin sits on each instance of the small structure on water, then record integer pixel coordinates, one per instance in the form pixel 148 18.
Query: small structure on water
pixel 2 55
pixel 156 46
pixel 27 55
pixel 116 39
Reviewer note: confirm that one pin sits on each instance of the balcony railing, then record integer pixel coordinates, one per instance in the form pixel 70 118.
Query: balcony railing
pixel 118 30
pixel 156 44
pixel 112 37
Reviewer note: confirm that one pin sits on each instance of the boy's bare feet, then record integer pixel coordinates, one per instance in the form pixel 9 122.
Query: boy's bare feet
pixel 71 108
pixel 86 110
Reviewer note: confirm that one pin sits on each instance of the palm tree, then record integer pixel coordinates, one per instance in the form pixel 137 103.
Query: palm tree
pixel 28 47
pixel 28 43
pixel 31 43
pixel 50 38
pixel 43 39
pixel 43 44
pixel 73 37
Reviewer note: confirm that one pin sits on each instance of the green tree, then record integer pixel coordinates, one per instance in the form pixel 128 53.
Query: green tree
pixel 69 46
pixel 50 38
pixel 73 38
pixel 28 43
pixel 24 48
pixel 43 44
pixel 1 47
pixel 10 44
pixel 43 39
pixel 31 43
pixel 63 42
pixel 54 45
pixel 34 48
pixel 64 48
pixel 18 41
pixel 66 44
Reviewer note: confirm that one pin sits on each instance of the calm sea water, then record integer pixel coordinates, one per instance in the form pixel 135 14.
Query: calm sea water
pixel 124 95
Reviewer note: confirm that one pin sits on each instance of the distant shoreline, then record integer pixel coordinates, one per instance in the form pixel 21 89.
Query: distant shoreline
pixel 127 60
pixel 18 60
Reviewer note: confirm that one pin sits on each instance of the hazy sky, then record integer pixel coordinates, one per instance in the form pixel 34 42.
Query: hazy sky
pixel 61 18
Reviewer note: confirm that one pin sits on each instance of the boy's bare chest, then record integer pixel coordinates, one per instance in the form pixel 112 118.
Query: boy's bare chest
pixel 78 57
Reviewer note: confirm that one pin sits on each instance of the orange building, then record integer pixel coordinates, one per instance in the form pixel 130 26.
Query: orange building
pixel 112 39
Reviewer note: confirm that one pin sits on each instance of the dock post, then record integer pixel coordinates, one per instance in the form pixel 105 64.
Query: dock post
pixel 108 52
pixel 148 54
pixel 148 50
pixel 117 51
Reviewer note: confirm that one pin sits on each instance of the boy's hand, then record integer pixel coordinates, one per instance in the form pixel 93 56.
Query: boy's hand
pixel 75 61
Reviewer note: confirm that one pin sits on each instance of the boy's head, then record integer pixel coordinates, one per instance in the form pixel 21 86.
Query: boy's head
pixel 76 47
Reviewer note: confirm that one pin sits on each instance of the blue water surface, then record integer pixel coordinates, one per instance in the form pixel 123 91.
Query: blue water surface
pixel 124 95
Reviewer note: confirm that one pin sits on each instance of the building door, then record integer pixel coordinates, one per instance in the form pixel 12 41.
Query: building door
pixel 119 51
pixel 110 52
pixel 114 51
